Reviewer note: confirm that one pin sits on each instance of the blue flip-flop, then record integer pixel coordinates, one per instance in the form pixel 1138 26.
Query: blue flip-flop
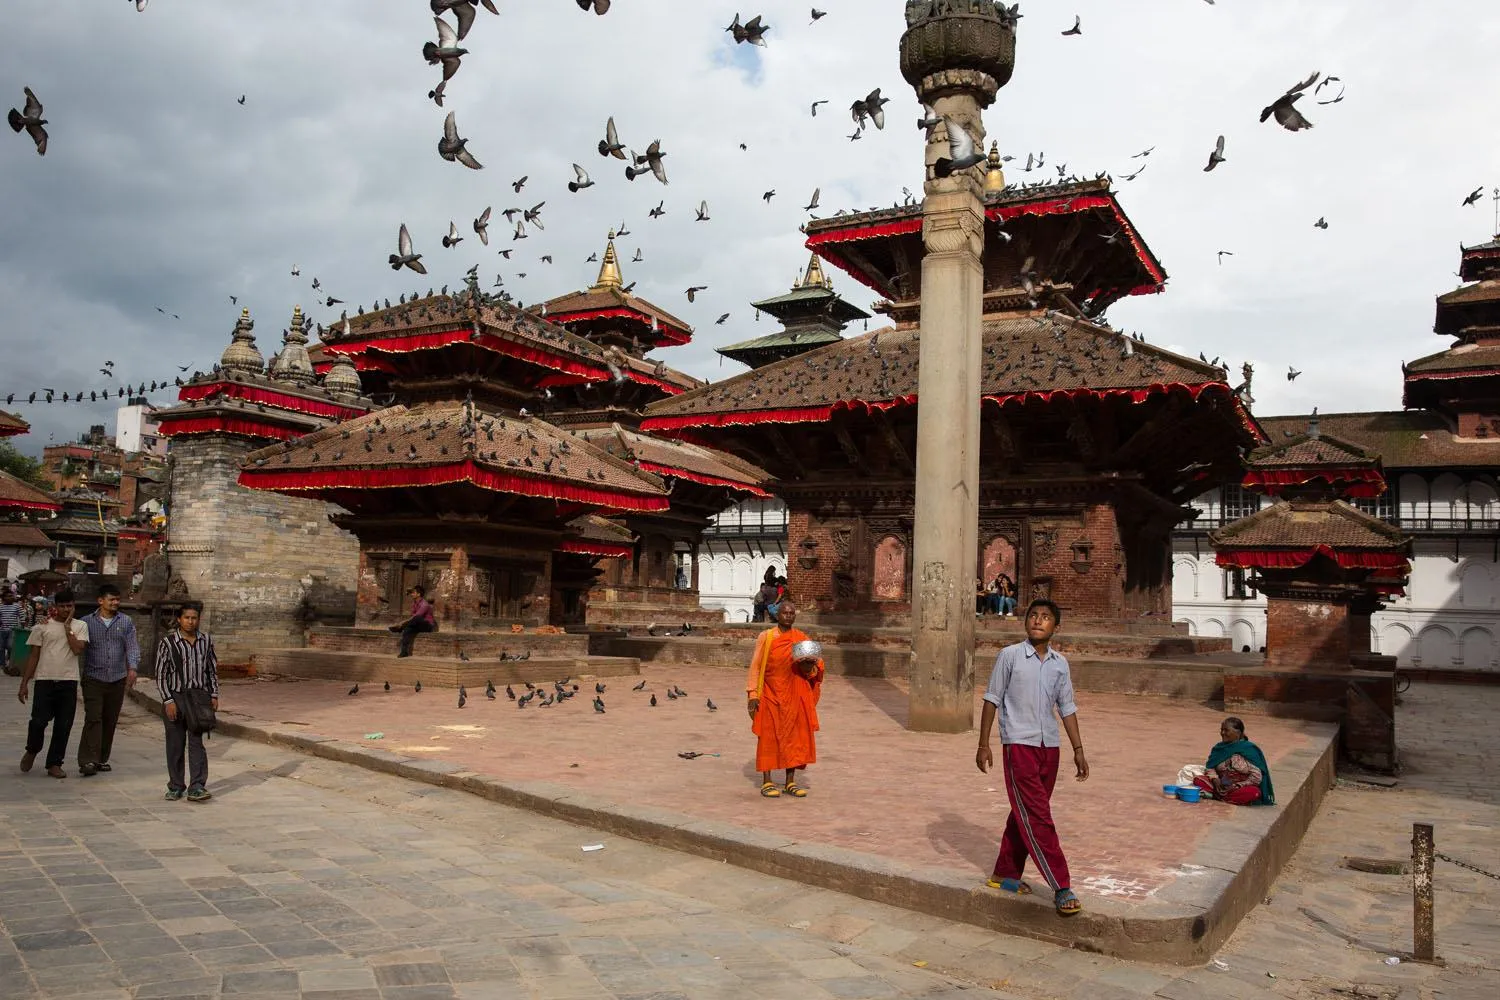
pixel 1013 886
pixel 1067 903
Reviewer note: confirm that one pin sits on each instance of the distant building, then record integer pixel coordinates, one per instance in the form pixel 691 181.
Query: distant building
pixel 136 429
pixel 1441 458
pixel 738 547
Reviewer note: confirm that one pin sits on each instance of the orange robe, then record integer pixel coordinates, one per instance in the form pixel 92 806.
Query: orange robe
pixel 788 714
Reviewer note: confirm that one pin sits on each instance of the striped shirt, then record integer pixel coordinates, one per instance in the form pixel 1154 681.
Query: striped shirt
pixel 186 666
pixel 10 615
pixel 113 649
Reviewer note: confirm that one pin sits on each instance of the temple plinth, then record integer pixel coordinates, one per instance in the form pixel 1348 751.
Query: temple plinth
pixel 956 63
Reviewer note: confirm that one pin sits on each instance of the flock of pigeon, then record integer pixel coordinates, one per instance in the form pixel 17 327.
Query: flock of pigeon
pixel 449 49
pixel 561 692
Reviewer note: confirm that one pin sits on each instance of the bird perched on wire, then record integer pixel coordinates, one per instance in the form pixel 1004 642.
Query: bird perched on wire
pixel 30 118
pixel 454 148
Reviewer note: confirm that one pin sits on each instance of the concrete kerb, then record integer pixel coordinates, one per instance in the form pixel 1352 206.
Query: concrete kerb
pixel 1183 925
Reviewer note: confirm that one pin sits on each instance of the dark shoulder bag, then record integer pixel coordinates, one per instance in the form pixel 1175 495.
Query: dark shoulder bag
pixel 194 707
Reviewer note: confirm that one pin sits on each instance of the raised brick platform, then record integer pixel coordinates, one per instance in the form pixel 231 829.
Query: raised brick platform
pixel 476 644
pixel 432 671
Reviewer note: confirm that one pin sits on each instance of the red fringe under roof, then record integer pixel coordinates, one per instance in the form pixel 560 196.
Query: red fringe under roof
pixel 269 397
pixel 1054 206
pixel 1293 558
pixel 442 475
pixel 665 331
pixel 1361 483
pixel 227 425
pixel 695 477
pixel 411 343
pixel 604 550
pixel 30 505
pixel 818 414
pixel 1456 373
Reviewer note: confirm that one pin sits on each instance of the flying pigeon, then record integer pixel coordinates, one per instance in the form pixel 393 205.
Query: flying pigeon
pixel 1077 28
pixel 453 148
pixel 870 106
pixel 610 145
pixel 694 290
pixel 702 212
pixel 1217 156
pixel 30 118
pixel 482 226
pixel 1322 223
pixel 1291 373
pixel 582 182
pixel 452 239
pixel 601 7
pixel 1284 107
pixel 1472 199
pixel 751 31
pixel 963 153
pixel 404 257
pixel 652 160
pixel 814 202
pixel 463 10
pixel 446 50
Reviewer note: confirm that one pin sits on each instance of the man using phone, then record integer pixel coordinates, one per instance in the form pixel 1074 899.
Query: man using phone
pixel 52 662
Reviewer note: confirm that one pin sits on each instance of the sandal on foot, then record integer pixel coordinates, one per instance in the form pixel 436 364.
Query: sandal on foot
pixel 795 790
pixel 1011 885
pixel 770 791
pixel 1067 903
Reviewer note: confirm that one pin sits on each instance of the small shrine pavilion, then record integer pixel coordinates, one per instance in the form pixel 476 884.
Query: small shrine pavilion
pixel 1325 568
pixel 1092 440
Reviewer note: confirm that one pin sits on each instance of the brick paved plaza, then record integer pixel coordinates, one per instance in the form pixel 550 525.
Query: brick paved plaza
pixel 305 877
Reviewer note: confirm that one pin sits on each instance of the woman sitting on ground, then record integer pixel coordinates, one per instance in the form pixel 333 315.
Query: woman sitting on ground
pixel 1237 771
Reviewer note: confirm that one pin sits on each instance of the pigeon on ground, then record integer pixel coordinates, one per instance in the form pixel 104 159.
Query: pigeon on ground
pixel 482 226
pixel 582 182
pixel 387 685
pixel 711 706
pixel 453 148
pixel 354 690
pixel 510 692
pixel 452 239
pixel 30 118
pixel 1217 156
pixel 599 705
pixel 599 687
pixel 446 50
pixel 404 257
pixel 463 696
pixel 418 686
pixel 653 701
pixel 639 687
pixel 963 152
pixel 1284 108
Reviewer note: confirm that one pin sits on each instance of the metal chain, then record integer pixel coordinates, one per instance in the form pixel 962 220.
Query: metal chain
pixel 1464 864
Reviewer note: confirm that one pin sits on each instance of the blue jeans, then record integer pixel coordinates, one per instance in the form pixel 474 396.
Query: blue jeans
pixel 1006 605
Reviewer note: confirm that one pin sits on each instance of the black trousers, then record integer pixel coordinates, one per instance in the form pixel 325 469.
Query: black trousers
pixel 101 713
pixel 179 740
pixel 409 634
pixel 54 702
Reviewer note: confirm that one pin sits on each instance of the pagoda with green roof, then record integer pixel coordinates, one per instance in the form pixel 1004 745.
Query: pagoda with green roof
pixel 812 315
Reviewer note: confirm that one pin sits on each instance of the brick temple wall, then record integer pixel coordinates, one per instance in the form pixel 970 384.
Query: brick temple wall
pixel 263 564
pixel 1303 634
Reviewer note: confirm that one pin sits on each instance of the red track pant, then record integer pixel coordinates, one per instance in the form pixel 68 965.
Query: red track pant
pixel 1030 774
pixel 1247 795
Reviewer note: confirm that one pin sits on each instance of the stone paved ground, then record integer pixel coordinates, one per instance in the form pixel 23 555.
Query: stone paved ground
pixel 876 787
pixel 309 878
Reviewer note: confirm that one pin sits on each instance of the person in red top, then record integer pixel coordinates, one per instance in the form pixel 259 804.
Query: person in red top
pixel 421 620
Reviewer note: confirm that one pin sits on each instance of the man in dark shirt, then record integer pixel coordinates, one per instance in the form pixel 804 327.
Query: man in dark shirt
pixel 421 620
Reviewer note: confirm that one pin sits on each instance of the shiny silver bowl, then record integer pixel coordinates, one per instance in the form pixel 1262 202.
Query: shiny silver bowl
pixel 807 649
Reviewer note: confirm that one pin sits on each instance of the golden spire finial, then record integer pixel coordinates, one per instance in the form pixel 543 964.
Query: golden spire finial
pixel 814 276
pixel 245 312
pixel 609 269
pixel 994 177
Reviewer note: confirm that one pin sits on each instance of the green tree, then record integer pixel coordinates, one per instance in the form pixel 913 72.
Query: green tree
pixel 22 466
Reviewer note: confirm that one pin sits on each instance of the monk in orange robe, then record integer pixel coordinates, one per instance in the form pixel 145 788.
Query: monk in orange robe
pixel 783 703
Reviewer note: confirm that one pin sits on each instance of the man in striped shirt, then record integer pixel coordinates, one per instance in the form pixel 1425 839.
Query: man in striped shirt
pixel 109 666
pixel 185 661
pixel 10 620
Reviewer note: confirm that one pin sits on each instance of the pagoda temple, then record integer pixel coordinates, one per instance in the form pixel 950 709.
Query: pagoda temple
pixel 263 565
pixel 1463 382
pixel 1086 465
pixel 812 315
pixel 1325 567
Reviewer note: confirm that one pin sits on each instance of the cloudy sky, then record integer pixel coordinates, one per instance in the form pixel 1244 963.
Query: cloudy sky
pixel 160 191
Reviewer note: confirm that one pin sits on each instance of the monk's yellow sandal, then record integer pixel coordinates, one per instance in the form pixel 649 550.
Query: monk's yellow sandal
pixel 795 790
pixel 770 791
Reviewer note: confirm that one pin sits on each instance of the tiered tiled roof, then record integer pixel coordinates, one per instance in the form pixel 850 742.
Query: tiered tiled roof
pixel 592 535
pixel 1403 439
pixel 680 459
pixel 1312 458
pixel 11 425
pixel 1025 356
pixel 609 299
pixel 1291 533
pixel 16 494
pixel 441 443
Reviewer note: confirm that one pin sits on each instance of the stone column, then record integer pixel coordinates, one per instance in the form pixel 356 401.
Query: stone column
pixel 956 62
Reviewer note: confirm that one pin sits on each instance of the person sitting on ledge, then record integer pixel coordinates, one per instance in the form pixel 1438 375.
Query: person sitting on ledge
pixel 421 620
pixel 1237 771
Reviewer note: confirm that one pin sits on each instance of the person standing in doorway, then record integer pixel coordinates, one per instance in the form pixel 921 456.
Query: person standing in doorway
pixel 53 663
pixel 1031 688
pixel 109 667
pixel 186 661
pixel 421 620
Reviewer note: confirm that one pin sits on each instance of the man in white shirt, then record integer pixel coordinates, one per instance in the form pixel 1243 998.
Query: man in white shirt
pixel 53 662
pixel 1031 688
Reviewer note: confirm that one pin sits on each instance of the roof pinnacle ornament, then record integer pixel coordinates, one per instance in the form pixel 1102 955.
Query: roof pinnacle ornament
pixel 609 268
